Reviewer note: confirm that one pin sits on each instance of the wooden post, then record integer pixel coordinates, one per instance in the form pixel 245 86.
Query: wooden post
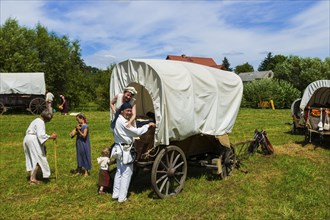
pixel 272 104
pixel 56 172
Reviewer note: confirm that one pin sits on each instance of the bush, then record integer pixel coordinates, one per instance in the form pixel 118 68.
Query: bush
pixel 281 92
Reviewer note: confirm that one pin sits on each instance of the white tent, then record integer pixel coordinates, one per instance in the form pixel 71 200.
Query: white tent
pixel 187 98
pixel 22 83
pixel 316 93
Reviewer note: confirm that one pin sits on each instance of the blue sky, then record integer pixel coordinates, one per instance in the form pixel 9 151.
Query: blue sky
pixel 242 31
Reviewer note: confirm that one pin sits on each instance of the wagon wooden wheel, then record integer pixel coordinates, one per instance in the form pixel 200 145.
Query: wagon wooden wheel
pixel 37 105
pixel 2 108
pixel 169 171
pixel 228 162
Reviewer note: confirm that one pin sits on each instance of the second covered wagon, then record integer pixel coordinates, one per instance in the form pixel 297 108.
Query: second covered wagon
pixel 22 90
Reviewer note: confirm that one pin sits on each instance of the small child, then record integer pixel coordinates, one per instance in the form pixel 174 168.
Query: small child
pixel 104 174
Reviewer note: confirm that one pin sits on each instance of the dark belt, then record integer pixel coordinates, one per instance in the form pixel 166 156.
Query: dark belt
pixel 122 143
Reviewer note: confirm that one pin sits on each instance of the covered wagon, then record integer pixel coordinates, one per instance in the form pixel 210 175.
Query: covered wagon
pixel 195 108
pixel 22 90
pixel 315 109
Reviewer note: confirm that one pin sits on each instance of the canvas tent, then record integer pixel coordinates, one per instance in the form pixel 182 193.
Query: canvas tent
pixel 316 94
pixel 187 98
pixel 22 83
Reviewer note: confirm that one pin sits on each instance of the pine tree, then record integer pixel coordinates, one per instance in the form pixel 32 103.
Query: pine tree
pixel 226 64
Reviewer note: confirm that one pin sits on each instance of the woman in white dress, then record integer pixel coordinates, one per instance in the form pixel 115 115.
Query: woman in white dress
pixel 34 147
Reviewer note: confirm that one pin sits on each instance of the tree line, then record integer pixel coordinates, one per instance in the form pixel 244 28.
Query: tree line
pixel 38 50
pixel 292 74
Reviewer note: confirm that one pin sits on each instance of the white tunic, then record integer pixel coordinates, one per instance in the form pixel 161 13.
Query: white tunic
pixel 49 97
pixel 103 161
pixel 124 135
pixel 34 147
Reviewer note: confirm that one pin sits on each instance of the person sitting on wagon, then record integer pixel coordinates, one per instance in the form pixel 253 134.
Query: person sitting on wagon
pixel 126 96
pixel 123 137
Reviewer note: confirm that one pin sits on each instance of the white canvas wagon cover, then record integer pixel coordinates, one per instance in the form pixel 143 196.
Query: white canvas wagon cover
pixel 317 92
pixel 22 83
pixel 187 98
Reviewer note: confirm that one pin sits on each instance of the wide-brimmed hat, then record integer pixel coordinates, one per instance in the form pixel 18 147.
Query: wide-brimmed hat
pixel 131 90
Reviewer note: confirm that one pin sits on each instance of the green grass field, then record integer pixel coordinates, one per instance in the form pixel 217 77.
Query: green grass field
pixel 291 184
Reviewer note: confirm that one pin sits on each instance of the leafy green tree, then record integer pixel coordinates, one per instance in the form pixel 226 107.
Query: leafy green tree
pixel 264 64
pixel 246 67
pixel 18 50
pixel 281 92
pixel 103 87
pixel 226 64
pixel 302 71
pixel 270 62
pixel 37 50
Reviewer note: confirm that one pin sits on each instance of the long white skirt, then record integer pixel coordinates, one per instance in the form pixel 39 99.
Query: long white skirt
pixel 35 154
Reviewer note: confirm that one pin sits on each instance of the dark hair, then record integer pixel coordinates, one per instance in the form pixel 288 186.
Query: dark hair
pixel 46 115
pixel 82 116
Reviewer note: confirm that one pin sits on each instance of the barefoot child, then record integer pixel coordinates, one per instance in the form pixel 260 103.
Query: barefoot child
pixel 83 147
pixel 104 174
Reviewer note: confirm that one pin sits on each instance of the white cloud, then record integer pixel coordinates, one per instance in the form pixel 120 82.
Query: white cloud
pixel 111 31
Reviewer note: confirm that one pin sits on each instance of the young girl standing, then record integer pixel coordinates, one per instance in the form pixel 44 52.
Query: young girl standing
pixel 83 148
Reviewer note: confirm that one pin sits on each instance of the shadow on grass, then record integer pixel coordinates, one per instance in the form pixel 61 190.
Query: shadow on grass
pixel 141 179
pixel 317 140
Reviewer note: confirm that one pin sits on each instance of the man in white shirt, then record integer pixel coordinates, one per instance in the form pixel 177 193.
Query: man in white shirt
pixel 123 136
pixel 49 101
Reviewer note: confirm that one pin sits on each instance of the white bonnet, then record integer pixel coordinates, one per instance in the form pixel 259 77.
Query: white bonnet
pixel 131 90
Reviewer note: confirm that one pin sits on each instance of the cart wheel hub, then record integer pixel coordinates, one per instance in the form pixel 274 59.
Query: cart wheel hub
pixel 171 172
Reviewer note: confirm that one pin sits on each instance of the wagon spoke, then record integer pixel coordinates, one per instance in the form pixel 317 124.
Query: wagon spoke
pixel 164 165
pixel 176 159
pixel 163 184
pixel 179 165
pixel 176 180
pixel 161 171
pixel 167 160
pixel 167 187
pixel 161 178
pixel 172 157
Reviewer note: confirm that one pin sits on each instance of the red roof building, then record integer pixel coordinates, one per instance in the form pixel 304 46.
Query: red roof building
pixel 199 60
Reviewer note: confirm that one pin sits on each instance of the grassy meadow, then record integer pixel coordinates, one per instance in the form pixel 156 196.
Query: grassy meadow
pixel 291 184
